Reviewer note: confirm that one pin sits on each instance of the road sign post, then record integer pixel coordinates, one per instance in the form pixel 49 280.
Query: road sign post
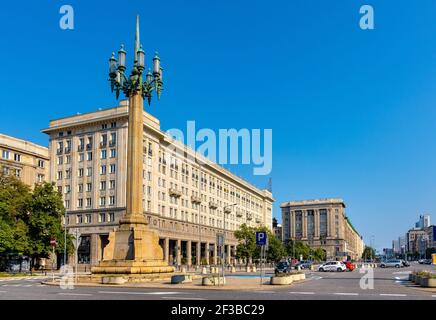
pixel 53 244
pixel 262 241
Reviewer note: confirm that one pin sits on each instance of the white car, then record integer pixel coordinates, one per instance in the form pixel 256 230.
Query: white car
pixel 332 266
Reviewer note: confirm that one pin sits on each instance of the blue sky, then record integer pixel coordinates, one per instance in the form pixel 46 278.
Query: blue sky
pixel 352 111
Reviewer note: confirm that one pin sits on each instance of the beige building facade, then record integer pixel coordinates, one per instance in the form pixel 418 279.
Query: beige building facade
pixel 26 160
pixel 322 223
pixel 186 198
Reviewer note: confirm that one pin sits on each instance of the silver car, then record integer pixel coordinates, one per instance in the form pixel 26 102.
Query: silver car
pixel 391 263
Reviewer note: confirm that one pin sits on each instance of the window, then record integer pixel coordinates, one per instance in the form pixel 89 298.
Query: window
pixel 102 217
pixel 67 204
pixel 102 201
pixel 67 189
pixel 80 172
pixel 113 153
pixel 79 203
pixel 79 219
pixel 112 200
pixel 68 173
pixel 103 169
pixel 112 184
pixel 113 138
pixel 89 187
pixel 104 126
pixel 112 168
pixel 41 163
pixel 88 202
pixel 68 159
pixel 89 156
pixel 102 185
pixel 149 175
pixel 17 157
pixel 103 141
pixel 111 217
pixel 59 189
pixel 5 154
pixel 113 124
pixel 59 175
pixel 88 171
pixel 81 157
pixel 88 218
pixel 103 154
pixel 80 187
pixel 60 160
pixel 41 177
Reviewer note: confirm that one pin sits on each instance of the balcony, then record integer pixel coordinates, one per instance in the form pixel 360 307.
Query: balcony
pixel 213 205
pixel 195 199
pixel 239 214
pixel 228 210
pixel 80 148
pixel 174 192
pixel 258 220
pixel 249 217
pixel 103 144
pixel 89 146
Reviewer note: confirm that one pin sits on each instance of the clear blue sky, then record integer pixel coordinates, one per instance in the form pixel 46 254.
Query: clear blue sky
pixel 353 112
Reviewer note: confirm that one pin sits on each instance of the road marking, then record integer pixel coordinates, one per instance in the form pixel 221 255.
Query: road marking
pixel 302 292
pixel 433 295
pixel 74 294
pixel 3 291
pixel 393 294
pixel 346 294
pixel 126 292
pixel 182 298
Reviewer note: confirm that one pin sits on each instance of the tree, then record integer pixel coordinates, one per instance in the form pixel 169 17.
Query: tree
pixel 46 212
pixel 247 242
pixel 368 253
pixel 318 254
pixel 296 249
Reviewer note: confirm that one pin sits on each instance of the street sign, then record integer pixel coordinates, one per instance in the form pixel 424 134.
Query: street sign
pixel 261 238
pixel 53 242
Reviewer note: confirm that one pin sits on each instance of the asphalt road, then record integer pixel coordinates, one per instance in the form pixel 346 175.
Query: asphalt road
pixel 388 284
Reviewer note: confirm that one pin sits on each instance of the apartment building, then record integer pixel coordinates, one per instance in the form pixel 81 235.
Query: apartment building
pixel 322 223
pixel 186 198
pixel 26 160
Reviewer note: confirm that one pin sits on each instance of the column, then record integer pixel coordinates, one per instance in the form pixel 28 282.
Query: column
pixel 206 253
pixel 229 254
pixel 198 252
pixel 304 223
pixel 329 223
pixel 188 252
pixel 95 244
pixel 293 224
pixel 178 251
pixel 317 226
pixel 215 254
pixel 167 250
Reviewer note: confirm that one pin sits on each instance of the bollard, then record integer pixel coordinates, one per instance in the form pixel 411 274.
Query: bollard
pixel 253 269
pixel 233 270
pixel 247 269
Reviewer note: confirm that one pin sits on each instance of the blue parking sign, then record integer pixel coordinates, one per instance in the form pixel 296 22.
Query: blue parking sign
pixel 261 238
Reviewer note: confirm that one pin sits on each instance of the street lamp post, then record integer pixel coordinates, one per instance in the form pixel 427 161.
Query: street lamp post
pixel 223 249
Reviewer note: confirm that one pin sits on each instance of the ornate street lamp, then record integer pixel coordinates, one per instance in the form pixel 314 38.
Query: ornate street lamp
pixel 135 82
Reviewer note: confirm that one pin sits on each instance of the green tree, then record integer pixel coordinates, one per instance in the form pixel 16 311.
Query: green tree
pixel 368 253
pixel 318 254
pixel 247 242
pixel 46 212
pixel 296 249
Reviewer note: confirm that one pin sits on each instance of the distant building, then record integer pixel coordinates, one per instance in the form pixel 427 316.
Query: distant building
pixel 322 224
pixel 414 238
pixel 423 222
pixel 396 246
pixel 26 160
pixel 277 229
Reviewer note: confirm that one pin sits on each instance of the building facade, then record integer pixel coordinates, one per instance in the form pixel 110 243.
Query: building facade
pixel 186 198
pixel 26 160
pixel 322 224
pixel 414 240
pixel 277 229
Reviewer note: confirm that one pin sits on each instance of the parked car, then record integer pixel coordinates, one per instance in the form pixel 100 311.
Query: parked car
pixel 405 263
pixel 304 264
pixel 283 267
pixel 427 261
pixel 332 266
pixel 350 266
pixel 421 261
pixel 391 263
